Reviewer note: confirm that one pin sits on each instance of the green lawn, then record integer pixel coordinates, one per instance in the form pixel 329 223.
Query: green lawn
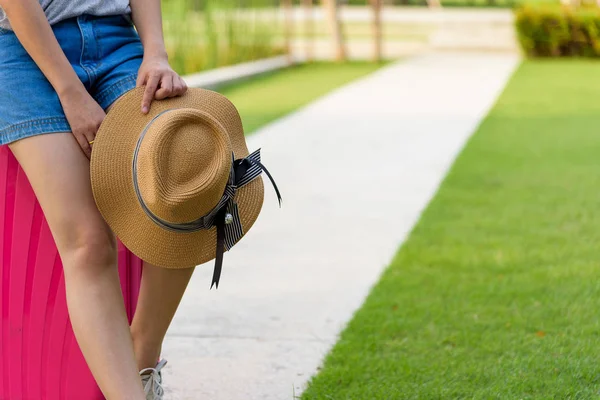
pixel 496 293
pixel 264 99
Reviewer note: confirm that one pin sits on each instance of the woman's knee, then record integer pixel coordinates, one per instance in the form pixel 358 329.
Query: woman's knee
pixel 59 174
pixel 92 245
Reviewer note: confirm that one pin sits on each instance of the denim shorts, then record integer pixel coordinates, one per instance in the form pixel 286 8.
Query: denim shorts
pixel 105 52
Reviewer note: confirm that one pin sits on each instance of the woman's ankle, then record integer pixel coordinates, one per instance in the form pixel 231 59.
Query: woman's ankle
pixel 146 354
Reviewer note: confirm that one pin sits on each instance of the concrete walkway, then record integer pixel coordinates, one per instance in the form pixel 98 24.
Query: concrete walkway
pixel 356 168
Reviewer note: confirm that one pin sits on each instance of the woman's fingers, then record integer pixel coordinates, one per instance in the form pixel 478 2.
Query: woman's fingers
pixel 141 79
pixel 166 87
pixel 84 115
pixel 180 86
pixel 160 86
pixel 151 86
pixel 84 144
pixel 89 137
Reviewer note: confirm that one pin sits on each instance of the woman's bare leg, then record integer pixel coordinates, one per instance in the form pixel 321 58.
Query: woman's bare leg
pixel 160 294
pixel 59 174
pixel 161 291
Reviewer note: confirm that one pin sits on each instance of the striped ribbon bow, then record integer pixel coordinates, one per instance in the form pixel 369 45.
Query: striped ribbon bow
pixel 224 216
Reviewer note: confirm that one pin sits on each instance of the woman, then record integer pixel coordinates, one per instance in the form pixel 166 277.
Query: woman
pixel 62 64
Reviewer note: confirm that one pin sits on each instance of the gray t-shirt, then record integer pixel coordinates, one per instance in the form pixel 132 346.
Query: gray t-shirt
pixel 58 10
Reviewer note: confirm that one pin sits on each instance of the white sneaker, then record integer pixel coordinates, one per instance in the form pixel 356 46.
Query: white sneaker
pixel 152 381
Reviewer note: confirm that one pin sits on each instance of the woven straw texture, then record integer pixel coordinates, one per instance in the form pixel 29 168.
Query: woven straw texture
pixel 183 166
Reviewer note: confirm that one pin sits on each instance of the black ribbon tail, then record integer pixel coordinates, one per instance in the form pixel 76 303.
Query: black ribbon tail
pixel 266 171
pixel 220 223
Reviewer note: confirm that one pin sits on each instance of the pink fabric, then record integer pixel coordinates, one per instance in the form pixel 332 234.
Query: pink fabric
pixel 39 356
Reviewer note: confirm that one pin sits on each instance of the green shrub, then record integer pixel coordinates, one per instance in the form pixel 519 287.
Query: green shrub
pixel 559 31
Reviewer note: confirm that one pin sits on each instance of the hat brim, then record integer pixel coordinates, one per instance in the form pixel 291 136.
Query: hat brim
pixel 111 176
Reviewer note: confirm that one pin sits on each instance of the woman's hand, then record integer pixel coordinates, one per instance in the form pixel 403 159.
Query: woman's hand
pixel 160 80
pixel 84 116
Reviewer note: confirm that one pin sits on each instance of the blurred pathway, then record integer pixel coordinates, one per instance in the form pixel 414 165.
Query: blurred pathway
pixel 408 30
pixel 356 168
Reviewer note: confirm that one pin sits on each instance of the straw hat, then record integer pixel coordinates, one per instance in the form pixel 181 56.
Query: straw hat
pixel 177 186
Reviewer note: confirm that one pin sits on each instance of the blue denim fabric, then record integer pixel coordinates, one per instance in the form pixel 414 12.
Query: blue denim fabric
pixel 106 54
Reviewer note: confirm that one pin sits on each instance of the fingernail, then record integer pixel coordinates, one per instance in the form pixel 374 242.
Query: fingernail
pixel 144 109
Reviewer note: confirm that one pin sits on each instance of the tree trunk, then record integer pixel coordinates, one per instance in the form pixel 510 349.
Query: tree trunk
pixel 288 21
pixel 309 27
pixel 377 29
pixel 335 27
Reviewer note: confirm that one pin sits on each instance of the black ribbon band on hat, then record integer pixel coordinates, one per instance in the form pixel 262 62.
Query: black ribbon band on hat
pixel 224 216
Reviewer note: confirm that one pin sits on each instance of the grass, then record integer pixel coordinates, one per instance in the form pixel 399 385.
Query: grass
pixel 496 293
pixel 205 34
pixel 264 99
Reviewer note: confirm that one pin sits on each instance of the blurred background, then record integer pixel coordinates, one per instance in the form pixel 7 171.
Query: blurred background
pixel 439 236
pixel 204 34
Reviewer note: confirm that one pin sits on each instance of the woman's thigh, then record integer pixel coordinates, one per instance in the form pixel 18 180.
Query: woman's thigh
pixel 60 176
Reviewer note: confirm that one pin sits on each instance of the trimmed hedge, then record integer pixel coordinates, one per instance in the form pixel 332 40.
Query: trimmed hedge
pixel 559 31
